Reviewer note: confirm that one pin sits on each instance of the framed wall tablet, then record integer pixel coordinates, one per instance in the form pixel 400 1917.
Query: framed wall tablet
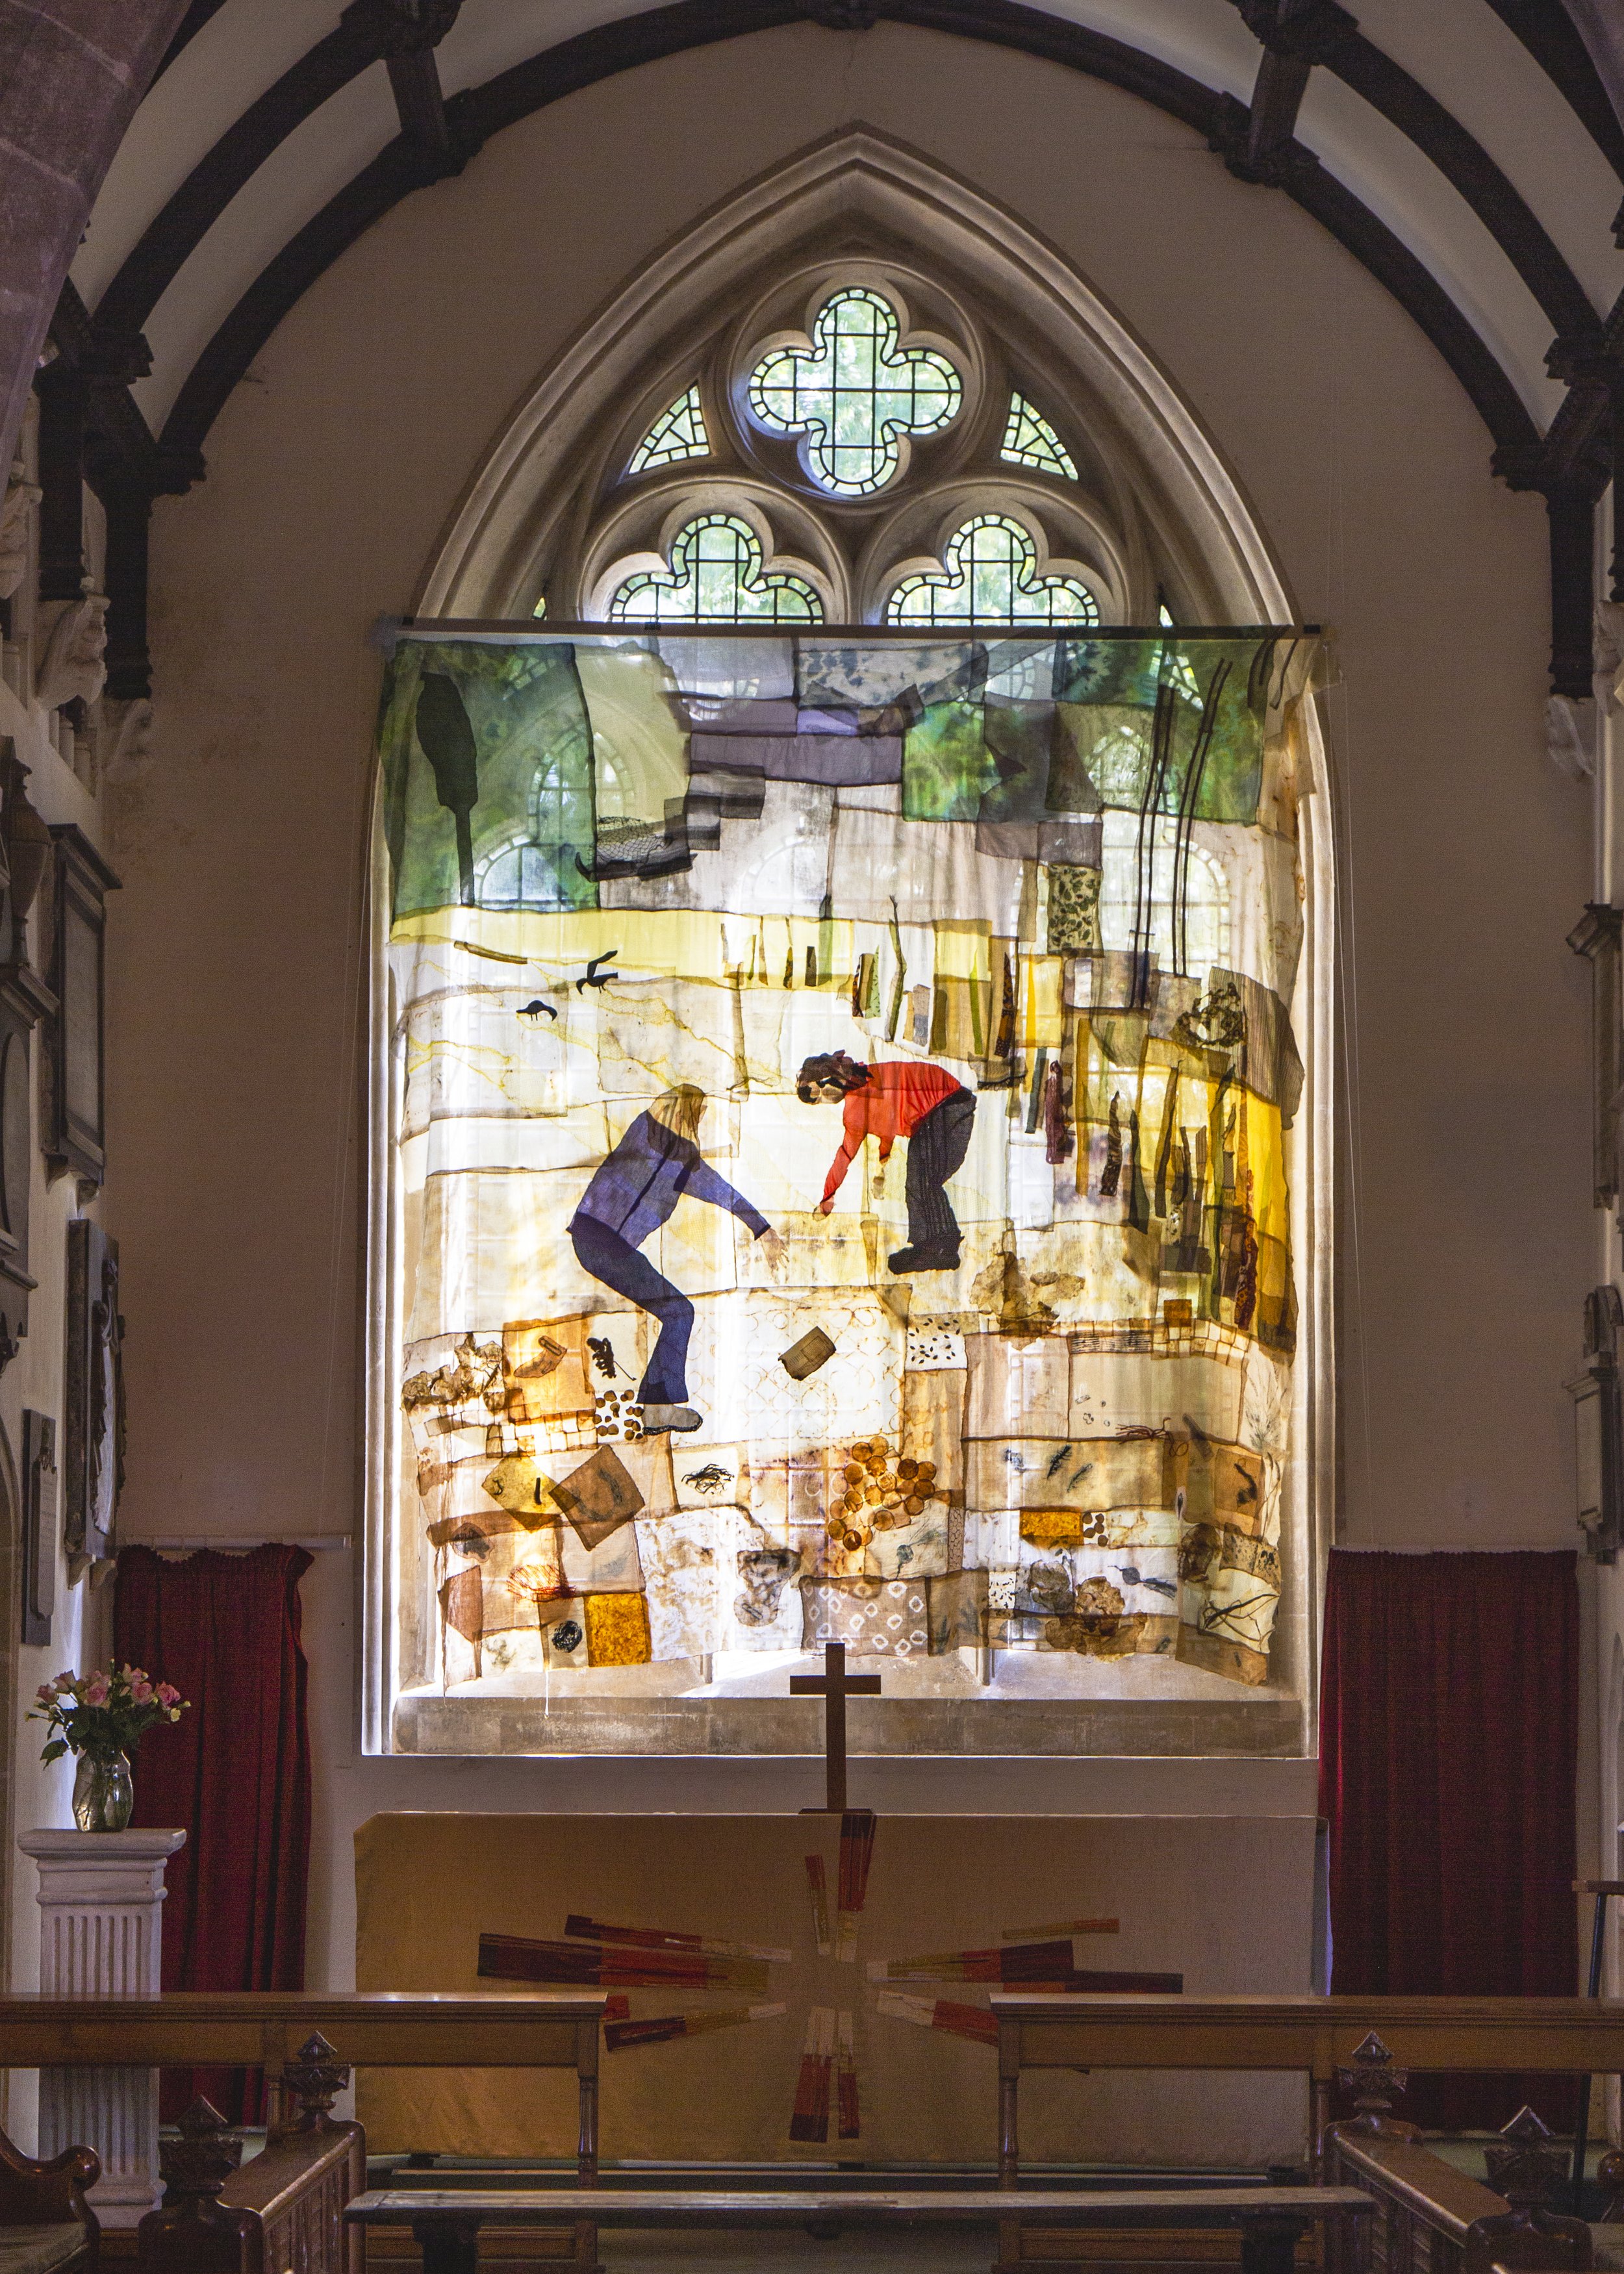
pixel 75 1133
pixel 41 1518
pixel 94 1458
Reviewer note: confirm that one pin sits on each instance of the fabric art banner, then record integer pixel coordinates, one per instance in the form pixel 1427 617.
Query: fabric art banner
pixel 840 1094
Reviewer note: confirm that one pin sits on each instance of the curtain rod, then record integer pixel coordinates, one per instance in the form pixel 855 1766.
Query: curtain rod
pixel 388 629
pixel 241 1547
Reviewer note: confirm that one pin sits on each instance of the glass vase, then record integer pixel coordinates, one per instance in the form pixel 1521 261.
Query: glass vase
pixel 103 1793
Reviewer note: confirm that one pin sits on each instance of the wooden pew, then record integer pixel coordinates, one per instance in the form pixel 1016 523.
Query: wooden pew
pixel 45 2222
pixel 446 2223
pixel 283 2192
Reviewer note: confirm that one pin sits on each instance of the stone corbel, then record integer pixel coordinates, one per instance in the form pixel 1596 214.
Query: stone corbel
pixel 75 665
pixel 20 499
pixel 1570 735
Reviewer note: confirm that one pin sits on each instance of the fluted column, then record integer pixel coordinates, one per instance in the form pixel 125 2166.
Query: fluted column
pixel 101 1897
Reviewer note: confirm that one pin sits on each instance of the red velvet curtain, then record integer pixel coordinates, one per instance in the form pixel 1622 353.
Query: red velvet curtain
pixel 235 1772
pixel 1449 1726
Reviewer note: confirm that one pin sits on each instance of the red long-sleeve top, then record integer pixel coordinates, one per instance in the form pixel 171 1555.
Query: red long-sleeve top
pixel 895 1099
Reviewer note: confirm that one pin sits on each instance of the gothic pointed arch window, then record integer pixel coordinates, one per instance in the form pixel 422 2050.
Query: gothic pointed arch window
pixel 855 739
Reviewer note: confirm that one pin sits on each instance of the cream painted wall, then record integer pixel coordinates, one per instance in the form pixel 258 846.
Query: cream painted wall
pixel 235 1103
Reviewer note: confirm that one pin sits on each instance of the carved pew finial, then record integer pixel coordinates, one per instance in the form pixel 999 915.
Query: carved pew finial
pixel 1375 2083
pixel 191 2232
pixel 1526 2166
pixel 314 2078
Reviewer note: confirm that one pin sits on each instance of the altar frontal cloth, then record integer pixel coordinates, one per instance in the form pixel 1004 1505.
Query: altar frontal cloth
pixel 794 1976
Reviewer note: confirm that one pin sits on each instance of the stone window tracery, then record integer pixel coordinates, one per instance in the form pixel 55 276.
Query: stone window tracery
pixel 859 446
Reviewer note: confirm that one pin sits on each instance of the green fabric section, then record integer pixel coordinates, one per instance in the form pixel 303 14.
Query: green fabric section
pixel 520 774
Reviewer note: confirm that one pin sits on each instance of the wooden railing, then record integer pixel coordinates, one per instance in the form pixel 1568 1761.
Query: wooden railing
pixel 1318 2037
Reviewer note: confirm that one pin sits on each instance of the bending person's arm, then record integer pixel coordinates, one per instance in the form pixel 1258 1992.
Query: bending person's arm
pixel 704 1184
pixel 850 1146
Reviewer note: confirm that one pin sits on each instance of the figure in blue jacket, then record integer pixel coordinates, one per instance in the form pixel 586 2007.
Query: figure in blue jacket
pixel 633 1193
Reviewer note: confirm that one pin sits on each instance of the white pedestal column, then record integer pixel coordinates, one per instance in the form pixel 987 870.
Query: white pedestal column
pixel 101 1897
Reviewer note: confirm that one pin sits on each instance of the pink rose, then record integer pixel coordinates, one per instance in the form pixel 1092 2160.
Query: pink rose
pixel 167 1695
pixel 46 1692
pixel 96 1690
pixel 140 1692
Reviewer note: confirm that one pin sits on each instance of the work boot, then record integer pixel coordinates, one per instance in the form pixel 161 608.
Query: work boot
pixel 658 1419
pixel 924 1259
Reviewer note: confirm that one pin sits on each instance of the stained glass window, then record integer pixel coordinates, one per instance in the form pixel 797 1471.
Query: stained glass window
pixel 678 432
pixel 1030 441
pixel 716 576
pixel 853 393
pixel 989 575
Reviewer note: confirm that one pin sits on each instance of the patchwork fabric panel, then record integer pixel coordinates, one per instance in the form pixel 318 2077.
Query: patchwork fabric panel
pixel 843 1095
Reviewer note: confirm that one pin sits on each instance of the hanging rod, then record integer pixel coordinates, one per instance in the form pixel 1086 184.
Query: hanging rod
pixel 239 1546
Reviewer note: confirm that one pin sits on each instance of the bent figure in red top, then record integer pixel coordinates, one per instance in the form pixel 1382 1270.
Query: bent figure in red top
pixel 901 1098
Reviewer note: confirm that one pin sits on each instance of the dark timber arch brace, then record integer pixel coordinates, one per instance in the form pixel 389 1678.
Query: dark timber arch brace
pixel 1570 466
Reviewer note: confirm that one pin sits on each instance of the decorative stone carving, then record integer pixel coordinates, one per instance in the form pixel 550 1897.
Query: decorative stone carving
pixel 75 665
pixel 1570 735
pixel 131 757
pixel 20 498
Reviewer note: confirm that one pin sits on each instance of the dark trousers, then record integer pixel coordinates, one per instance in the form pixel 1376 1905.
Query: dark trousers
pixel 936 1149
pixel 618 1264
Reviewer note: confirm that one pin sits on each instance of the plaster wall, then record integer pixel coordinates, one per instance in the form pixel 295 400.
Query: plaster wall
pixel 236 1029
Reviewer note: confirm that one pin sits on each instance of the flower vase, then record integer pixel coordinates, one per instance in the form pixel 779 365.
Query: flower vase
pixel 103 1794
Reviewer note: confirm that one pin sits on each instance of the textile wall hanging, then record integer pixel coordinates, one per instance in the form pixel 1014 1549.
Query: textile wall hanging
pixel 838 1106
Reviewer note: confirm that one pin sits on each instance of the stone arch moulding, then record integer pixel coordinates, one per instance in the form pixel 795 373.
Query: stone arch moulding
pixel 861 185
pixel 548 475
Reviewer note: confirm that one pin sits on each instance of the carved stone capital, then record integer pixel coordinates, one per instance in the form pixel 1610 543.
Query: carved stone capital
pixel 75 665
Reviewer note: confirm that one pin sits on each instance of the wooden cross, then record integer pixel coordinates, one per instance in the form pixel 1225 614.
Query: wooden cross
pixel 835 1685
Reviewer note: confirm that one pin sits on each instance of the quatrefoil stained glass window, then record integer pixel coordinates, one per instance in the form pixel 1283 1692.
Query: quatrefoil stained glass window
pixel 855 393
pixel 717 575
pixel 989 575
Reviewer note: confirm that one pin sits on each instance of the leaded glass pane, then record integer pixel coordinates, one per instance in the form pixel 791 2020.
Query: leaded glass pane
pixel 716 576
pixel 678 432
pixel 989 575
pixel 1030 441
pixel 853 393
